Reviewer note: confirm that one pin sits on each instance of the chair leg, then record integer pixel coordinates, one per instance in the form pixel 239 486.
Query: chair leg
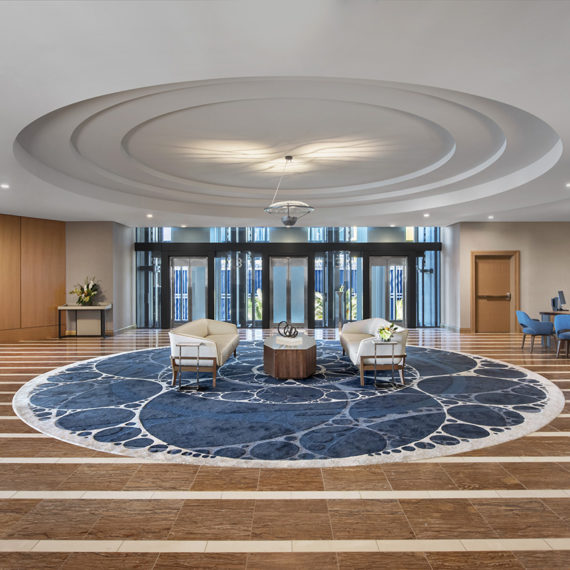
pixel 558 348
pixel 532 343
pixel 235 353
pixel 214 377
pixel 524 338
pixel 567 348
pixel 361 376
pixel 174 371
pixel 402 376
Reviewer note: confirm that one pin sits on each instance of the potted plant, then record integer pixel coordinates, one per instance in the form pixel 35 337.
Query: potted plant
pixel 86 291
pixel 385 333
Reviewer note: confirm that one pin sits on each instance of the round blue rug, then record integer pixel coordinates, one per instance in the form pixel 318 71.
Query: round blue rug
pixel 452 402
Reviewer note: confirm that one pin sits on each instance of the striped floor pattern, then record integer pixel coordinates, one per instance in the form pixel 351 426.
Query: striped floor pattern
pixel 64 506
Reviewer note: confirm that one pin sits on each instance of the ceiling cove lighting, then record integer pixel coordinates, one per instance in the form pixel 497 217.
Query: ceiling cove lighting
pixel 289 210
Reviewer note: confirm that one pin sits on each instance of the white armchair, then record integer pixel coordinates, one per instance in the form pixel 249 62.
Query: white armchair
pixel 357 340
pixel 205 343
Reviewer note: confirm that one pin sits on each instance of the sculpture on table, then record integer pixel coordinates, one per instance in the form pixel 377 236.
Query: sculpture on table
pixel 289 331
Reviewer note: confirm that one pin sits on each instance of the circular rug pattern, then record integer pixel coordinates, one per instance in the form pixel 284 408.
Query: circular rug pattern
pixel 451 403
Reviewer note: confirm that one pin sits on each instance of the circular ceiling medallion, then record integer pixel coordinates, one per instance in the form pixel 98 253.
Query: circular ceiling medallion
pixel 213 150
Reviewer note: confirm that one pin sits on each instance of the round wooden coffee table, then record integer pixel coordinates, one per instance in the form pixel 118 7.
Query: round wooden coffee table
pixel 287 361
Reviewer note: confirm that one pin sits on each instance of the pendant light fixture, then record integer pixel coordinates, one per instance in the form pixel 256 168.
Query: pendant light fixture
pixel 290 210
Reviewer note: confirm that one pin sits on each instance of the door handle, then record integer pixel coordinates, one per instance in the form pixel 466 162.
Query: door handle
pixel 505 297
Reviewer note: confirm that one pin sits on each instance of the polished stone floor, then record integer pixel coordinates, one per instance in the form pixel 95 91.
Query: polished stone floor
pixel 64 506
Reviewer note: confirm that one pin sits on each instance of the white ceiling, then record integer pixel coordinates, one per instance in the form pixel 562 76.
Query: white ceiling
pixel 113 110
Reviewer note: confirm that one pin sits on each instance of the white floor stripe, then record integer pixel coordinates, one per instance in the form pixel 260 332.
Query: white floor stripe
pixel 289 495
pixel 549 434
pixel 24 436
pixel 450 459
pixel 188 546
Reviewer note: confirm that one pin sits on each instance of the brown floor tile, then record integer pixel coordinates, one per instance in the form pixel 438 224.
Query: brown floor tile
pixel 92 477
pixel 162 477
pixel 12 511
pixel 7 387
pixel 521 518
pixel 408 476
pixel 382 560
pixel 291 520
pixel 291 480
pixel 558 560
pixel 368 519
pixel 214 520
pixel 481 476
pixel 562 424
pixel 455 518
pixel 140 520
pixel 367 477
pixel 32 560
pixel 225 479
pixel 110 561
pixel 229 561
pixel 473 560
pixel 34 477
pixel 555 445
pixel 540 475
pixel 55 520
pixel 292 561
pixel 15 426
pixel 560 506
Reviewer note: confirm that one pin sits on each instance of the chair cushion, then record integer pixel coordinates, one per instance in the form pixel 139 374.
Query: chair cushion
pixel 193 328
pixel 539 327
pixel 225 343
pixel 564 336
pixel 220 327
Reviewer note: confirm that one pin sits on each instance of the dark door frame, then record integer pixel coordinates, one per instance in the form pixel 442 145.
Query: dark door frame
pixel 410 250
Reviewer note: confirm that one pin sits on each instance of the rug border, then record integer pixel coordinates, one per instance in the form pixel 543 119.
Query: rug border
pixel 532 423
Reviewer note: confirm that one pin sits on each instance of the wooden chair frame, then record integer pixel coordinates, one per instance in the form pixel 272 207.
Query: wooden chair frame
pixel 375 366
pixel 193 367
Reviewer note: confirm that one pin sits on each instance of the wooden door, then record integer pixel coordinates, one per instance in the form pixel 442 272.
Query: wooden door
pixel 495 284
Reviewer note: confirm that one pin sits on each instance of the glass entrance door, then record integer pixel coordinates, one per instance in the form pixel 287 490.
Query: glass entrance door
pixel 188 289
pixel 237 288
pixel 288 290
pixel 388 288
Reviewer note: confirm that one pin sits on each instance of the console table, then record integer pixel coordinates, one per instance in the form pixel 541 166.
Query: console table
pixel 81 308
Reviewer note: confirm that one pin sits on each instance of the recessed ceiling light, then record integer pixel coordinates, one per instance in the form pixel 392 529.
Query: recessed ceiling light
pixel 392 225
pixel 149 215
pixel 491 217
pixel 567 184
pixel 426 215
pixel 5 186
pixel 183 226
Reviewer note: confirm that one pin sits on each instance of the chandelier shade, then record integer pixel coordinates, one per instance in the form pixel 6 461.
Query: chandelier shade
pixel 289 210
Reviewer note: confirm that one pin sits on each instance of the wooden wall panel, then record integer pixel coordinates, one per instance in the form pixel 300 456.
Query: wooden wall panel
pixel 43 271
pixel 9 272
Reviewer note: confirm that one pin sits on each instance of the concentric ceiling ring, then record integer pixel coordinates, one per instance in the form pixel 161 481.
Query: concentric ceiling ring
pixel 213 149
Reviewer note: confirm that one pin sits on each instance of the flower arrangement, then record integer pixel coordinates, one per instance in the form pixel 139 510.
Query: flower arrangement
pixel 86 291
pixel 385 333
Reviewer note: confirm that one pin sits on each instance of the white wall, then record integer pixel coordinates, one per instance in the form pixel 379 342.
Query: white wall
pixel 103 250
pixel 544 263
pixel 450 277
